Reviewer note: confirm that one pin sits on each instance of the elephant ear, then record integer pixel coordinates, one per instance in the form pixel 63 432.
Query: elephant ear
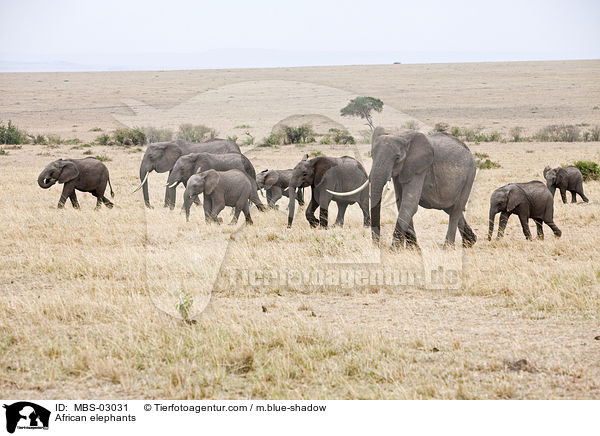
pixel 561 174
pixel 271 178
pixel 165 156
pixel 514 198
pixel 414 155
pixel 68 172
pixel 546 171
pixel 211 180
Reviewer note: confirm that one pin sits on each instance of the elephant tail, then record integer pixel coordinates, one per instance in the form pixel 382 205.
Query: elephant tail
pixel 112 194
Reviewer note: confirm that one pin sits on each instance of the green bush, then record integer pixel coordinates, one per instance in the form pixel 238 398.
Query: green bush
pixel 54 139
pixel 126 137
pixel 340 137
pixel 102 158
pixel 154 134
pixel 10 134
pixel 325 140
pixel 271 140
pixel 298 135
pixel 559 133
pixel 195 133
pixel 589 170
pixel 515 134
pixel 39 140
pixel 103 139
pixel 3 152
pixel 487 164
pixel 481 155
pixel 441 128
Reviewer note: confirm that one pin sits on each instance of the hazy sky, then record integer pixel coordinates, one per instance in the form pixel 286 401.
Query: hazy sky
pixel 107 31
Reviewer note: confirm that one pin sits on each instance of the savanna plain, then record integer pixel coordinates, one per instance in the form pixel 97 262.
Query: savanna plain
pixel 88 299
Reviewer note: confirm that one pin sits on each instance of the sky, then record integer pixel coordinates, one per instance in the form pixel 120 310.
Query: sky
pixel 169 34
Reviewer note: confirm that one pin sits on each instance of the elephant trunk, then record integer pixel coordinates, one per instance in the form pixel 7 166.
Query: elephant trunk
pixel 44 181
pixel 493 213
pixel 187 203
pixel 292 204
pixel 144 171
pixel 552 189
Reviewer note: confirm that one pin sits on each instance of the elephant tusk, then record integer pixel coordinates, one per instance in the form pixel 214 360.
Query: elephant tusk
pixel 349 193
pixel 172 185
pixel 141 184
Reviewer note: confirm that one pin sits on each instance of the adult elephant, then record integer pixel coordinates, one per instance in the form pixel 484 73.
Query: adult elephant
pixel 276 183
pixel 326 176
pixel 567 178
pixel 434 172
pixel 161 157
pixel 186 166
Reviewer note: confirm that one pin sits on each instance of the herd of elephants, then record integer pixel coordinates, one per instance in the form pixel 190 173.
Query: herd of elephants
pixel 432 171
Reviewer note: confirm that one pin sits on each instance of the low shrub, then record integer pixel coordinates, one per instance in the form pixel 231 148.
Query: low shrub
pixel 559 133
pixel 127 137
pixel 154 134
pixel 487 164
pixel 11 134
pixel 103 139
pixel 3 152
pixel 441 127
pixel 298 135
pixel 271 140
pixel 589 170
pixel 515 134
pixel 195 133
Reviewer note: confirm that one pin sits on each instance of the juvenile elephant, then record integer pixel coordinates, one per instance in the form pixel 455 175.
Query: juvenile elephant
pixel 326 176
pixel 527 200
pixel 276 184
pixel 221 188
pixel 192 163
pixel 434 172
pixel 86 175
pixel 161 157
pixel 565 179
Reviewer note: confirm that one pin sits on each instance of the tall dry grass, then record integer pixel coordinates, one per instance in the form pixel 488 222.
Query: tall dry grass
pixel 88 297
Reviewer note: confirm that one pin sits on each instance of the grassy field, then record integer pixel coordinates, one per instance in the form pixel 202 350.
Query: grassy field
pixel 89 297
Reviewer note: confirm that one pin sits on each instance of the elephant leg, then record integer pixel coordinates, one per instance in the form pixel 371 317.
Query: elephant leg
pixel 573 197
pixel 269 196
pixel 236 215
pixel 276 194
pixel 554 228
pixel 246 211
pixel 73 198
pixel 300 196
pixel 540 229
pixel 563 195
pixel 168 194
pixel 411 194
pixel 411 236
pixel 207 209
pixel 68 190
pixel 339 221
pixel 324 211
pixel 466 232
pixel 107 202
pixel 502 224
pixel 579 190
pixel 455 216
pixel 364 206
pixel 310 212
pixel 217 207
pixel 98 203
pixel 525 225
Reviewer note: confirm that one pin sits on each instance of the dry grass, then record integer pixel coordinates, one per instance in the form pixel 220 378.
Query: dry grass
pixel 84 295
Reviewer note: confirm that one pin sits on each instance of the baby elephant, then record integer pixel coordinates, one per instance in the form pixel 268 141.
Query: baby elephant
pixel 276 183
pixel 528 200
pixel 565 179
pixel 221 188
pixel 86 175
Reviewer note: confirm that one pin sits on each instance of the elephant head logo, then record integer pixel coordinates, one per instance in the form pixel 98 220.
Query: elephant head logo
pixel 26 415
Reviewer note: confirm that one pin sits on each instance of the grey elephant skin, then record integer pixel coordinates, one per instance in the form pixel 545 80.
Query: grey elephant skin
pixel 276 184
pixel 567 178
pixel 161 157
pixel 324 174
pixel 192 163
pixel 434 172
pixel 221 188
pixel 527 200
pixel 86 175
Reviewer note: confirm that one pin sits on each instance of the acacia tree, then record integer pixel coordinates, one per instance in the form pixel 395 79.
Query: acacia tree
pixel 362 107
